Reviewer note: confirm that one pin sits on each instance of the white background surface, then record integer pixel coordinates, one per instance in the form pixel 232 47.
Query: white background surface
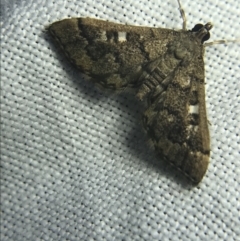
pixel 75 164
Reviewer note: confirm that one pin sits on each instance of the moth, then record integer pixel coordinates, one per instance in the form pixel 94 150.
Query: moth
pixel 164 67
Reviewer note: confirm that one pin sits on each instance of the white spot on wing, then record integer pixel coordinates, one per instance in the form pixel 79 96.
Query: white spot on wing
pixel 188 81
pixel 122 36
pixel 185 82
pixel 193 109
pixel 103 36
pixel 191 129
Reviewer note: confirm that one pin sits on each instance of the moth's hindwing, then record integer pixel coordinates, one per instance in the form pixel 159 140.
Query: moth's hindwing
pixel 167 70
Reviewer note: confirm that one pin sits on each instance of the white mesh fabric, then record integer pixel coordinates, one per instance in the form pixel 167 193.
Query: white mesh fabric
pixel 74 160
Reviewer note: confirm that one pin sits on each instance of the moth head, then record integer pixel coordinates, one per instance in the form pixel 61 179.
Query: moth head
pixel 202 31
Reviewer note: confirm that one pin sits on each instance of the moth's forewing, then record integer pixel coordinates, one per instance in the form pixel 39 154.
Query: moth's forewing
pixel 164 66
pixel 112 54
pixel 176 118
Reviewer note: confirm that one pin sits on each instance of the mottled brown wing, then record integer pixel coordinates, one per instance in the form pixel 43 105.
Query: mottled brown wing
pixel 112 54
pixel 167 70
pixel 176 120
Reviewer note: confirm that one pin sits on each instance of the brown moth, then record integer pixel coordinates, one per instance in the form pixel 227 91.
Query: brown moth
pixel 166 69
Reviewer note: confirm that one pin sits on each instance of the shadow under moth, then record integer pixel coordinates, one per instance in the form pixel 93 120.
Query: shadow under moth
pixel 164 67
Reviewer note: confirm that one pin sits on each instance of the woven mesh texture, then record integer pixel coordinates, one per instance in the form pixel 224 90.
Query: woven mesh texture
pixel 74 160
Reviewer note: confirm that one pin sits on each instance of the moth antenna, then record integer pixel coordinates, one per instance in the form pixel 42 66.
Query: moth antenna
pixel 222 41
pixel 184 26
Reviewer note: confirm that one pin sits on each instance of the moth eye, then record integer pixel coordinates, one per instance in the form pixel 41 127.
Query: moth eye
pixel 206 37
pixel 197 27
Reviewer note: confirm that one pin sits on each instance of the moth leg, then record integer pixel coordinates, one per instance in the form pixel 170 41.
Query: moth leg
pixel 222 41
pixel 183 16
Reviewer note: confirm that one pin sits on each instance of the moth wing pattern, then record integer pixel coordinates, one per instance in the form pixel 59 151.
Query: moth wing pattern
pixel 176 121
pixel 166 69
pixel 113 55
